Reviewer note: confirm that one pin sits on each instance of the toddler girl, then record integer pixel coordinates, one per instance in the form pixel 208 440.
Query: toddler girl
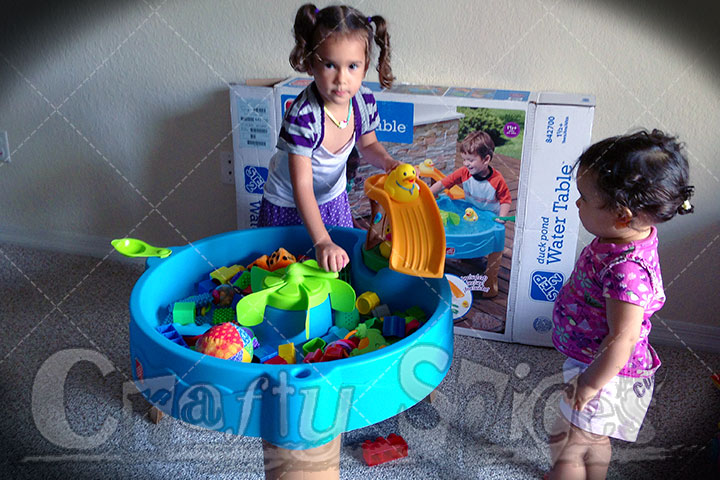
pixel 306 182
pixel 627 185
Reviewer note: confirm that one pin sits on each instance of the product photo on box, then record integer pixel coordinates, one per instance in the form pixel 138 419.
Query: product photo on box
pixel 499 163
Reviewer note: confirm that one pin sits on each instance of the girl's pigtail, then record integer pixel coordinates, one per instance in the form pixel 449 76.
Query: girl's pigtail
pixel 300 57
pixel 686 207
pixel 382 39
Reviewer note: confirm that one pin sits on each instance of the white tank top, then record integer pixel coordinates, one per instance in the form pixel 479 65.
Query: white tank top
pixel 328 170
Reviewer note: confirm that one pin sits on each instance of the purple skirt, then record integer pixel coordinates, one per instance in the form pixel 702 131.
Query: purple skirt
pixel 335 213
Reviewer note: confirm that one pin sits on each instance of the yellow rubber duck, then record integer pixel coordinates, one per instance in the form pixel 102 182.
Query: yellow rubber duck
pixel 470 215
pixel 401 183
pixel 426 166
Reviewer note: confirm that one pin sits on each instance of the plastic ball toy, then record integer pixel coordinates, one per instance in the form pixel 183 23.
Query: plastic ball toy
pixel 228 341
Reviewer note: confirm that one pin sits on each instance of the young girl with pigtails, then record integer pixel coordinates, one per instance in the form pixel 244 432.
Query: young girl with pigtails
pixel 627 184
pixel 306 182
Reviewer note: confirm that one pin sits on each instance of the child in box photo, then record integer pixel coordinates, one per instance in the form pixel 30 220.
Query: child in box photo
pixel 482 184
pixel 485 187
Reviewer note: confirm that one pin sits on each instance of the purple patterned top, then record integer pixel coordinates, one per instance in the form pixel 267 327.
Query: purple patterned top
pixel 626 272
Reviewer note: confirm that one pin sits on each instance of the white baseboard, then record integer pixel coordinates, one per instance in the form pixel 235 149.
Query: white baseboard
pixel 671 333
pixel 674 333
pixel 64 242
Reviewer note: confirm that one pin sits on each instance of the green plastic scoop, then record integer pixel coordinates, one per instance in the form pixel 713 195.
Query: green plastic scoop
pixel 132 247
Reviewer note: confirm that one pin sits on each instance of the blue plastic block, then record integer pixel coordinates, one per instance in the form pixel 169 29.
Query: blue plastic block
pixel 394 327
pixel 206 286
pixel 339 332
pixel 170 332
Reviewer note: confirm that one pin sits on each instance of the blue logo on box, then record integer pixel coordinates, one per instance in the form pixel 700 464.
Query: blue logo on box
pixel 396 122
pixel 286 101
pixel 255 179
pixel 545 286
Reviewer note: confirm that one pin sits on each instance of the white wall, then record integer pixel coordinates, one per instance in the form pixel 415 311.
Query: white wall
pixel 117 111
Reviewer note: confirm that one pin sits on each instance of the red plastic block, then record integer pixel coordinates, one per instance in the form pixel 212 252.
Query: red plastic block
pixel 411 326
pixel 334 352
pixel 384 450
pixel 313 357
pixel 277 360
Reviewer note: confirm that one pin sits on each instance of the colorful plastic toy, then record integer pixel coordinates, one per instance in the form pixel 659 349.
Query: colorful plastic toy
pixel 168 331
pixel 223 295
pixel 224 274
pixel 400 183
pixel 470 215
pixel 226 341
pixel 371 339
pixel 132 247
pixel 260 262
pixel 280 258
pixel 366 302
pixel 427 169
pixel 418 239
pixel 347 320
pixel 450 217
pixel 287 352
pixel 384 449
pixel 183 313
pixel 222 315
pixel 303 287
pixel 314 344
pixel 393 326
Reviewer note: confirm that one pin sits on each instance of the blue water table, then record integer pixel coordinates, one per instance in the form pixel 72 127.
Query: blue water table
pixel 292 406
pixel 470 239
pixel 471 232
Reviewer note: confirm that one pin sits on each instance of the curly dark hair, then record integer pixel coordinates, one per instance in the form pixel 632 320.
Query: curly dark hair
pixel 312 26
pixel 645 172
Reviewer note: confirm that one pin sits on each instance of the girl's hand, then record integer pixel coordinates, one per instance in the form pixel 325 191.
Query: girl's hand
pixel 392 166
pixel 578 393
pixel 331 257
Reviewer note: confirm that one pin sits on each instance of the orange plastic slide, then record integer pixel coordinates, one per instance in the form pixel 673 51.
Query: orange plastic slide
pixel 426 169
pixel 418 235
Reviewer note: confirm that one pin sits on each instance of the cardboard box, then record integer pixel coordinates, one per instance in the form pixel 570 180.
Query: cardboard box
pixel 538 137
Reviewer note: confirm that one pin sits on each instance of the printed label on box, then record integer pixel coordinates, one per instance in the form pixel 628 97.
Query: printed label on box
pixel 253 123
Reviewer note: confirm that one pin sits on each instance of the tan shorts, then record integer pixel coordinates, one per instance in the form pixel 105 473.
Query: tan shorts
pixel 617 411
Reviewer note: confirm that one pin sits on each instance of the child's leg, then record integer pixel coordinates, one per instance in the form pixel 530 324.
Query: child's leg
pixel 577 454
pixel 597 459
